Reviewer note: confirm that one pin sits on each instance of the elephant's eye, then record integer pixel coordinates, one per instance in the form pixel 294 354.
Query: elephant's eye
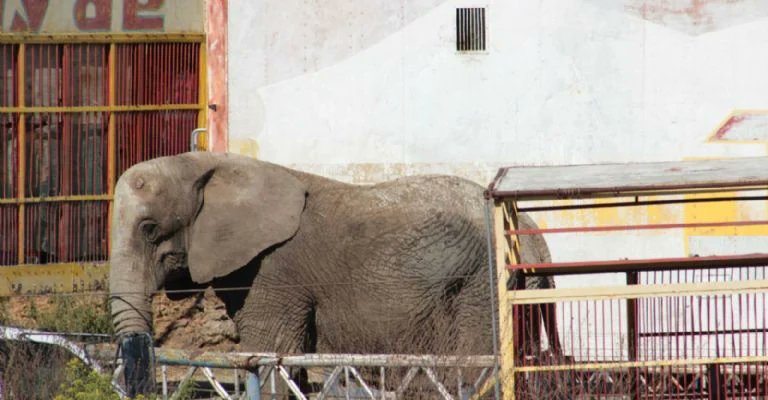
pixel 150 229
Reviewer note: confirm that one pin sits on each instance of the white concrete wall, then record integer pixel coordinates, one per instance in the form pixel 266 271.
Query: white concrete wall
pixel 367 91
pixel 333 87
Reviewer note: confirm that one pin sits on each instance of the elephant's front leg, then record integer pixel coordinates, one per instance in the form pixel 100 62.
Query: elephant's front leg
pixel 276 320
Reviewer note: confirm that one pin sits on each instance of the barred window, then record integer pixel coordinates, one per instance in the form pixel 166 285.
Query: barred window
pixel 73 117
pixel 470 29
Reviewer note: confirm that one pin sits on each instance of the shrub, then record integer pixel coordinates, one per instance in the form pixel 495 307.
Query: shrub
pixel 82 383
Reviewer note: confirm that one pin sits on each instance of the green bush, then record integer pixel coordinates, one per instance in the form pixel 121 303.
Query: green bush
pixel 74 314
pixel 82 383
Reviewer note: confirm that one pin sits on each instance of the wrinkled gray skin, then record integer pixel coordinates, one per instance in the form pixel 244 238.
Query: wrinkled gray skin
pixel 395 267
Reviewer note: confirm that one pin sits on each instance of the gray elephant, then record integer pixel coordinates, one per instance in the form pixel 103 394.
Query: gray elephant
pixel 397 267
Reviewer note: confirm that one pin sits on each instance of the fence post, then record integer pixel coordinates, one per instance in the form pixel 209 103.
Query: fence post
pixel 252 385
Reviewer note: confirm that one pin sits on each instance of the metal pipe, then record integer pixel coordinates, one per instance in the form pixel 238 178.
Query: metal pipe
pixel 252 385
pixel 164 370
pixel 492 290
pixel 194 135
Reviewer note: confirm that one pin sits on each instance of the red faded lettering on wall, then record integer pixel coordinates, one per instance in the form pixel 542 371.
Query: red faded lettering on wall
pixel 101 20
pixel 35 10
pixel 133 21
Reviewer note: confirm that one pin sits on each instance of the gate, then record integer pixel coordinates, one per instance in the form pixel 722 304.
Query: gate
pixel 689 327
pixel 75 112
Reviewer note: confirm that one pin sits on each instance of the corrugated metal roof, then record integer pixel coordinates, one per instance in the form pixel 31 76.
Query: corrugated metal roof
pixel 618 180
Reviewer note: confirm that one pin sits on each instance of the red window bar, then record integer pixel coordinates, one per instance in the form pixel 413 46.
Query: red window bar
pixel 8 156
pixel 150 134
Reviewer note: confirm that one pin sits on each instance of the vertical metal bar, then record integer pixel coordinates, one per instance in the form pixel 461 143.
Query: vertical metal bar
pixel 22 141
pixel 273 384
pixel 383 387
pixel 111 136
pixel 632 338
pixel 506 325
pixel 460 383
pixel 252 385
pixel 346 383
pixel 202 116
pixel 484 25
pixel 237 382
pixel 164 370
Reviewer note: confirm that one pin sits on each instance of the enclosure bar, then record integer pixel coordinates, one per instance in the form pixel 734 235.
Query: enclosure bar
pixel 22 149
pixel 632 335
pixel 252 360
pixel 111 138
pixel 112 100
pixel 505 250
pixel 637 291
pixel 613 228
pixel 643 364
pixel 649 264
pixel 105 38
pixel 107 108
pixel 640 203
pixel 703 333
pixel 58 199
pixel 202 115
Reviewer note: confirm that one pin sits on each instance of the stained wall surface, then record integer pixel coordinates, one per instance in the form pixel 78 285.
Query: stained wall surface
pixel 367 91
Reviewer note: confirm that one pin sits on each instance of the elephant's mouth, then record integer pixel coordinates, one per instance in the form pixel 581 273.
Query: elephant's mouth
pixel 173 260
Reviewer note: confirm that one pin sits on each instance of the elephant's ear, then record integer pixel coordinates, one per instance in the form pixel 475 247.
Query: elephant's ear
pixel 244 211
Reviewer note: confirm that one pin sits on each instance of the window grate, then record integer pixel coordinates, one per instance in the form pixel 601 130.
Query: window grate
pixel 470 29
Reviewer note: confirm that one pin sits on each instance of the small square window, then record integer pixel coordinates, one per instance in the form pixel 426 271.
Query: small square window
pixel 470 29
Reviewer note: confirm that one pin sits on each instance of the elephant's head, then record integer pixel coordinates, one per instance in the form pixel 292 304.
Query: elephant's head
pixel 198 213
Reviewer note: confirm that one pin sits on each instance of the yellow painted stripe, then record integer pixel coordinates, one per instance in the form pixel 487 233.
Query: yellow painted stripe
pixel 58 199
pixel 115 108
pixel 101 38
pixel 543 296
pixel 642 364
pixel 202 116
pixel 53 278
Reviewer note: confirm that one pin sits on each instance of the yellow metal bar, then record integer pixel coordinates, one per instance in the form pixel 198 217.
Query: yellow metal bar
pixel 641 364
pixel 111 139
pixel 101 38
pixel 542 296
pixel 47 278
pixel 202 117
pixel 109 108
pixel 22 149
pixel 58 199
pixel 506 327
pixel 644 193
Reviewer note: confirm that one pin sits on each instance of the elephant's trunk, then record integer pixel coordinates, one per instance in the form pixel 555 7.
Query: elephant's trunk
pixel 129 298
pixel 132 319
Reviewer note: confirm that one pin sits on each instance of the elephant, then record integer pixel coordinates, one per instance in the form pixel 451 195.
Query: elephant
pixel 395 267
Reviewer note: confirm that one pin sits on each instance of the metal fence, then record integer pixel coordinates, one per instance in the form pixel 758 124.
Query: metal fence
pixel 75 112
pixel 690 327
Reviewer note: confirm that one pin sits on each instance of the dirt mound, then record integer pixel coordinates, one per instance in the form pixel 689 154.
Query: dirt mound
pixel 198 322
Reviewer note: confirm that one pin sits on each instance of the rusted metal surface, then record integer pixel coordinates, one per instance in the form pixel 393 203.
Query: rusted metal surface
pixel 627 180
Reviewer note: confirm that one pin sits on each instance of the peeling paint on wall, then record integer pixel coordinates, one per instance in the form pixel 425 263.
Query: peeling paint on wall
pixel 693 17
pixel 246 147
